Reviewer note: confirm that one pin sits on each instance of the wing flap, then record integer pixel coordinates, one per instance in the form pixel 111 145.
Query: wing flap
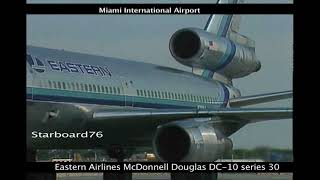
pixel 157 116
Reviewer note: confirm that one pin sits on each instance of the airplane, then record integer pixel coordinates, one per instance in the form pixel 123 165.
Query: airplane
pixel 83 101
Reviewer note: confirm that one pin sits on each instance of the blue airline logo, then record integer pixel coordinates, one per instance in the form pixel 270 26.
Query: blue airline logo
pixel 36 64
pixel 62 66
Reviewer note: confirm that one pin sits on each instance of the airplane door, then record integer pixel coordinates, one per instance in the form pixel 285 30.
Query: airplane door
pixel 129 92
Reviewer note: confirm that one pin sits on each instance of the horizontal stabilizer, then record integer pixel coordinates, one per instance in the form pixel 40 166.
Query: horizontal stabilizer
pixel 261 98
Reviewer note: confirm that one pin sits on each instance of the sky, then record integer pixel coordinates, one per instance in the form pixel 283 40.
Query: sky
pixel 145 38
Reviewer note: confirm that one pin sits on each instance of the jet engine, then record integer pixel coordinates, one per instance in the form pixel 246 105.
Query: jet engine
pixel 197 48
pixel 189 141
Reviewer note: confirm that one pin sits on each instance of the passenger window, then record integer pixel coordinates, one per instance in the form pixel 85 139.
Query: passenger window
pixel 148 93
pixel 119 90
pixel 102 89
pixel 50 85
pixel 114 90
pixel 152 94
pixel 98 88
pixel 59 85
pixel 81 85
pixel 138 93
pixel 110 88
pixel 63 85
pixel 54 85
pixel 106 89
pixel 72 86
pixel 94 88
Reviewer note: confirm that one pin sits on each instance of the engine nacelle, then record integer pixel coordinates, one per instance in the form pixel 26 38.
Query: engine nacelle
pixel 189 141
pixel 197 48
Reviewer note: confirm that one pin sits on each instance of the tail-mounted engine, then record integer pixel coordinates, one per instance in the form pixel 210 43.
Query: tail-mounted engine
pixel 197 48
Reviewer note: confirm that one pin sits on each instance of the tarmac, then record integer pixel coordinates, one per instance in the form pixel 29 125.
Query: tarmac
pixel 166 176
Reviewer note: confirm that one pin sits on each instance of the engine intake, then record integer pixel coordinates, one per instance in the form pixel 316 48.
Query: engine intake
pixel 189 140
pixel 185 44
pixel 197 48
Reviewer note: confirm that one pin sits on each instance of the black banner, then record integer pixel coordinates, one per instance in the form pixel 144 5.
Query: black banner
pixel 178 9
pixel 186 167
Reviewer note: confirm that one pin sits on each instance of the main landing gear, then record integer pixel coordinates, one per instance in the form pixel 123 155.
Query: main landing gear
pixel 118 153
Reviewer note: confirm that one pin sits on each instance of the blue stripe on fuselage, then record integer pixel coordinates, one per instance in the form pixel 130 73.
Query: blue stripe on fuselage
pixel 207 74
pixel 228 56
pixel 226 94
pixel 116 101
pixel 101 101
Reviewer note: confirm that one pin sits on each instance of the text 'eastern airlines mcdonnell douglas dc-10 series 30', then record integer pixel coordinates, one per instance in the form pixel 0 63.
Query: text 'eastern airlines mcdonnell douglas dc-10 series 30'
pixel 82 101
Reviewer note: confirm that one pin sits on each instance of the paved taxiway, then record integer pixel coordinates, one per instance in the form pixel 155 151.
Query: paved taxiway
pixel 166 176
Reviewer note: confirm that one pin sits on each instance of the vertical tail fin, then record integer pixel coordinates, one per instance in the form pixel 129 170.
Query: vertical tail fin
pixel 222 25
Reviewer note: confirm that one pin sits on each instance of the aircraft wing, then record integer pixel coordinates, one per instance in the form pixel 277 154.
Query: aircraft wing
pixel 261 98
pixel 246 115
